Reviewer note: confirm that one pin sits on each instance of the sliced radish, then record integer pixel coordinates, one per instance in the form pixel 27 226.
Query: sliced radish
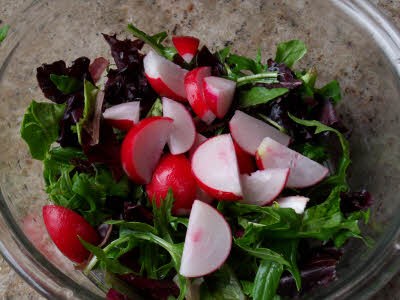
pixel 194 92
pixel 298 203
pixel 165 77
pixel 208 241
pixel 173 172
pixel 218 93
pixel 123 116
pixel 197 142
pixel 246 162
pixel 183 132
pixel 186 46
pixel 64 226
pixel 262 187
pixel 215 168
pixel 304 171
pixel 248 132
pixel 142 148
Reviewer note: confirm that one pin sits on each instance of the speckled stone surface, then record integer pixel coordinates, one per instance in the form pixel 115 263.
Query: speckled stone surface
pixel 13 287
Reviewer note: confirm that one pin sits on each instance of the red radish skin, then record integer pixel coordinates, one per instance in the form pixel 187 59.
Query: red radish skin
pixel 218 93
pixel 173 171
pixel 262 187
pixel 64 226
pixel 123 116
pixel 298 203
pixel 304 171
pixel 203 196
pixel 142 148
pixel 165 77
pixel 183 133
pixel 186 46
pixel 215 168
pixel 208 241
pixel 246 162
pixel 197 142
pixel 195 96
pixel 248 132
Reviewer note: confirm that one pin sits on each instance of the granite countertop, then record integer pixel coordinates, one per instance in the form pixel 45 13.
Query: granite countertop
pixel 13 287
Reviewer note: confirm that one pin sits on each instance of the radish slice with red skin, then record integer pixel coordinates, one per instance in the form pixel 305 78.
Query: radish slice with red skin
pixel 123 116
pixel 183 134
pixel 195 96
pixel 197 142
pixel 218 93
pixel 64 226
pixel 262 187
pixel 298 203
pixel 203 196
pixel 208 241
pixel 248 132
pixel 186 46
pixel 142 148
pixel 304 171
pixel 246 162
pixel 165 77
pixel 215 168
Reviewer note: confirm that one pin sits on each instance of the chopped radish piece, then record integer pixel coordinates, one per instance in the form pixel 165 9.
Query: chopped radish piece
pixel 173 172
pixel 304 171
pixel 246 162
pixel 197 142
pixel 208 241
pixel 64 226
pixel 195 96
pixel 218 93
pixel 248 132
pixel 298 203
pixel 123 116
pixel 203 196
pixel 183 132
pixel 142 148
pixel 262 187
pixel 215 168
pixel 165 77
pixel 186 46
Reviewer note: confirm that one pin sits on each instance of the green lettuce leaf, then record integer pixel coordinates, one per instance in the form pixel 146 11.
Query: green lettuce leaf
pixel 90 92
pixel 40 127
pixel 267 280
pixel 331 90
pixel 156 109
pixel 290 52
pixel 3 32
pixel 259 95
pixel 66 84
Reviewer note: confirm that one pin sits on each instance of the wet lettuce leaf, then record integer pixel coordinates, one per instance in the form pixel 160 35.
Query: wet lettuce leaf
pixel 40 127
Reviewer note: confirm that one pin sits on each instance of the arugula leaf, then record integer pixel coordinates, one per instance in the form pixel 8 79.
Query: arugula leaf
pixel 331 90
pixel 259 95
pixel 290 52
pixel 90 92
pixel 223 54
pixel 66 84
pixel 221 285
pixel 314 152
pixel 3 32
pixel 247 287
pixel 267 280
pixel 40 127
pixel 154 42
pixel 156 109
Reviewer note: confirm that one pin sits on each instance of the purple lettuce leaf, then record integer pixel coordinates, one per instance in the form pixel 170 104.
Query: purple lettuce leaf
pixel 114 295
pixel 205 58
pixel 355 201
pixel 327 115
pixel 137 213
pixel 287 79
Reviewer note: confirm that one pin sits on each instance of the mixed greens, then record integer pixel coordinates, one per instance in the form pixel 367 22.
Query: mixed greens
pixel 276 252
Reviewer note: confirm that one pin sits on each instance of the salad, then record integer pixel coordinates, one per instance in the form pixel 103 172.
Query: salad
pixel 183 173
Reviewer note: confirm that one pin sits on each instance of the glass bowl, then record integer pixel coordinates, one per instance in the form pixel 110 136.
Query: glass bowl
pixel 348 40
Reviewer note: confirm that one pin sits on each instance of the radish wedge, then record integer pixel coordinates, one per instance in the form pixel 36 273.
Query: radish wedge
pixel 197 142
pixel 183 132
pixel 208 241
pixel 248 132
pixel 298 203
pixel 262 187
pixel 304 171
pixel 165 77
pixel 123 116
pixel 186 46
pixel 215 168
pixel 142 148
pixel 218 93
pixel 195 96
pixel 246 162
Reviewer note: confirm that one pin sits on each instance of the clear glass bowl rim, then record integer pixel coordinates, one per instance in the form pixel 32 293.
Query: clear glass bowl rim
pixel 33 267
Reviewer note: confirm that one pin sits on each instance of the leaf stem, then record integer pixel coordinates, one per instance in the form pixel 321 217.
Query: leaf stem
pixel 145 38
pixel 258 76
